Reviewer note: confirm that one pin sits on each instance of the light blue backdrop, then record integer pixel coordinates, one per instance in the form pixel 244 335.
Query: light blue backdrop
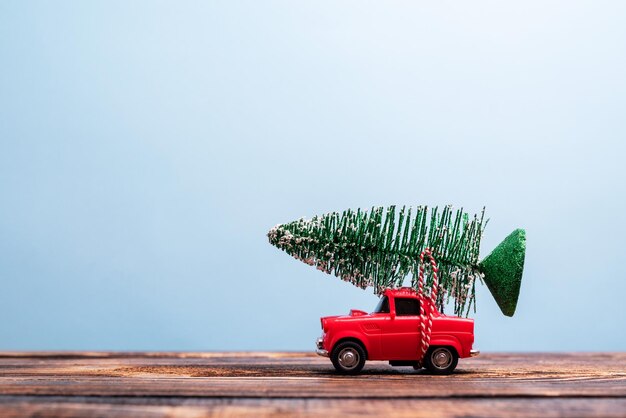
pixel 147 147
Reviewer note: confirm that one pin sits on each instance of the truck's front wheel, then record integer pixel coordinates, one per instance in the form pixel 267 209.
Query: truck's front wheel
pixel 441 360
pixel 348 357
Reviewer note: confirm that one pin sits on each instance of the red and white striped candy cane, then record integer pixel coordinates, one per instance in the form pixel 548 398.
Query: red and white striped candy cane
pixel 427 313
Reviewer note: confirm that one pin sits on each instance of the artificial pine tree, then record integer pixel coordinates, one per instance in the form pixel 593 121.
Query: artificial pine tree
pixel 381 248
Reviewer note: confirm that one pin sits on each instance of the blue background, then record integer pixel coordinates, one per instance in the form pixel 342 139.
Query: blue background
pixel 147 147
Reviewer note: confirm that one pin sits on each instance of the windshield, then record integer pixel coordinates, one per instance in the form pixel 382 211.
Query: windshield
pixel 383 305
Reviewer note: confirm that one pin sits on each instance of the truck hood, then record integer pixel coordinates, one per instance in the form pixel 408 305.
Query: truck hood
pixel 327 320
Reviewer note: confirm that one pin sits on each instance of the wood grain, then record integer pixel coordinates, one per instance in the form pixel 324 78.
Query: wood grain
pixel 282 384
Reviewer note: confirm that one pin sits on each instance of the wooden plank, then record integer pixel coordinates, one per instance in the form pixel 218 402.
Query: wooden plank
pixel 546 407
pixel 303 375
pixel 270 384
pixel 225 387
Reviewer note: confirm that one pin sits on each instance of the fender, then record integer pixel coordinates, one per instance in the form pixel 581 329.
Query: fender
pixel 356 335
pixel 450 341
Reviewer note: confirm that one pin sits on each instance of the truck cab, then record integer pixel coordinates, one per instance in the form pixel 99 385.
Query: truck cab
pixel 392 333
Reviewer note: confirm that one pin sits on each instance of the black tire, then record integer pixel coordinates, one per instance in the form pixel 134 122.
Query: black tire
pixel 348 357
pixel 441 360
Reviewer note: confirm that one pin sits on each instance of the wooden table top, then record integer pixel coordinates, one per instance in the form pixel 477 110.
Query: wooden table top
pixel 282 384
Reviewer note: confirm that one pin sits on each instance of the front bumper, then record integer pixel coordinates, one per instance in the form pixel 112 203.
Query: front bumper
pixel 319 343
pixel 474 353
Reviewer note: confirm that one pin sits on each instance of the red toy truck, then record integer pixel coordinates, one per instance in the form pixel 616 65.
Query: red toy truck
pixel 392 333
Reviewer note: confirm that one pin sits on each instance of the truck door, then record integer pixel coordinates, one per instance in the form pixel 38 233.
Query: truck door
pixel 400 337
pixel 374 326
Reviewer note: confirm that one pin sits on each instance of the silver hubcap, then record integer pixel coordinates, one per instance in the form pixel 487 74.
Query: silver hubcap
pixel 441 358
pixel 348 358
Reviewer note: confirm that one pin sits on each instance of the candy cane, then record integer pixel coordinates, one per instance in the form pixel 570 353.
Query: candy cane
pixel 426 314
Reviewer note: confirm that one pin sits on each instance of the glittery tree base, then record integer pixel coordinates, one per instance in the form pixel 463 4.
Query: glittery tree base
pixel 502 270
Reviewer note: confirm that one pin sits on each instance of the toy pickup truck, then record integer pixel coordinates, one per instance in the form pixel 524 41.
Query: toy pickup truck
pixel 392 333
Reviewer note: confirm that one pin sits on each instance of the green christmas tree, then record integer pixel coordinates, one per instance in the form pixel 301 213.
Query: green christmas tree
pixel 381 248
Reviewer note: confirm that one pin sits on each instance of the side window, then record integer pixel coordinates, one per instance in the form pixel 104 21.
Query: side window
pixel 407 307
pixel 383 305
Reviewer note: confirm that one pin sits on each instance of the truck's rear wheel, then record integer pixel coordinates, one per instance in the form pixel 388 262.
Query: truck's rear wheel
pixel 348 357
pixel 441 360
